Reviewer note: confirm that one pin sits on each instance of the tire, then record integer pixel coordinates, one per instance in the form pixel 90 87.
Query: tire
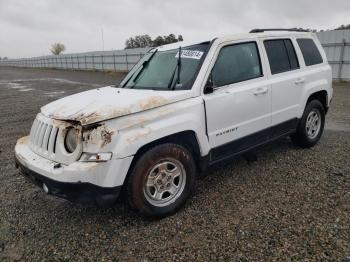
pixel 164 167
pixel 304 135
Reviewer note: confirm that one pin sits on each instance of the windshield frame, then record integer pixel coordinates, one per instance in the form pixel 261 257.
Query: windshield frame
pixel 139 64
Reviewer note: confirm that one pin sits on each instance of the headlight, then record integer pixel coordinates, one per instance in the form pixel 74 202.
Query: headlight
pixel 72 139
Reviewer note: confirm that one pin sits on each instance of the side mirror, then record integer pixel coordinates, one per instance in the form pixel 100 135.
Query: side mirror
pixel 209 86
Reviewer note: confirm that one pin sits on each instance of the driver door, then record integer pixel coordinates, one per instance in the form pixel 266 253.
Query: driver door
pixel 239 109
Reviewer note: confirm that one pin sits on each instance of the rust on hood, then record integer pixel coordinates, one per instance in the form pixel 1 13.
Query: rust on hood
pixel 152 102
pixel 97 116
pixel 109 102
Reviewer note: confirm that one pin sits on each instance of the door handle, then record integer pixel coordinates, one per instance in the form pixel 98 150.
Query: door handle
pixel 260 91
pixel 300 81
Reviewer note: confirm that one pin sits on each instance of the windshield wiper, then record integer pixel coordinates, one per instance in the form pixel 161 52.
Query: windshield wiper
pixel 144 64
pixel 172 84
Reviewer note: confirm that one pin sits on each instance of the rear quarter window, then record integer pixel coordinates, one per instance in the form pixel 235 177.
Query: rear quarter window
pixel 310 51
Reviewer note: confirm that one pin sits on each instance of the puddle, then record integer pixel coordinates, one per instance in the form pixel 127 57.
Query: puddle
pixel 15 86
pixel 54 93
pixel 26 89
pixel 59 80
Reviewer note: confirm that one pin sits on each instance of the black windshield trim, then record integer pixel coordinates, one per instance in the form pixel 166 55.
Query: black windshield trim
pixel 191 82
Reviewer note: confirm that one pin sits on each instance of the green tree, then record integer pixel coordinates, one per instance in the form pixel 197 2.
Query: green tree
pixel 159 40
pixel 146 41
pixel 343 27
pixel 138 41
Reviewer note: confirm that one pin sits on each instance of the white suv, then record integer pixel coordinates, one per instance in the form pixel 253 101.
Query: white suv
pixel 183 107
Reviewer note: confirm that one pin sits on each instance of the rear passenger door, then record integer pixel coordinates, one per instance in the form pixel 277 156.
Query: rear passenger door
pixel 287 83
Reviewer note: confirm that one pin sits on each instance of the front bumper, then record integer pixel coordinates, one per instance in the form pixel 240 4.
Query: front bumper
pixel 84 193
pixel 96 183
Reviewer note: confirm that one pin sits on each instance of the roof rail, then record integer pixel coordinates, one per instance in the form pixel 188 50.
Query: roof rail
pixel 258 30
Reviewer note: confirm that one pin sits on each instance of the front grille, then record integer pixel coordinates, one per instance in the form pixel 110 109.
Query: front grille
pixel 43 137
pixel 47 140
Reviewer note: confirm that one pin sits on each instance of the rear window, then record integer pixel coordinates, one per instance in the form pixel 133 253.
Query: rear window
pixel 310 51
pixel 281 55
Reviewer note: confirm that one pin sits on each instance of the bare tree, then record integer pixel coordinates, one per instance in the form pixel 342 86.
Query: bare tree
pixel 57 48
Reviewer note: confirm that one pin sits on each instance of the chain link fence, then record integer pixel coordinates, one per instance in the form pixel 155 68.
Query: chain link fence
pixel 120 60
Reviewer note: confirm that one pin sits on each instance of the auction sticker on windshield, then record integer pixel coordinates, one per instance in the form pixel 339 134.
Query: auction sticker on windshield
pixel 194 54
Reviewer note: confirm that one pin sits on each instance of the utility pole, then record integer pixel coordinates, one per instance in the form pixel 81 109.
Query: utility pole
pixel 103 41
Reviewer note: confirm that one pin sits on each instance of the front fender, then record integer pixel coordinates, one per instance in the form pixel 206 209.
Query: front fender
pixel 124 136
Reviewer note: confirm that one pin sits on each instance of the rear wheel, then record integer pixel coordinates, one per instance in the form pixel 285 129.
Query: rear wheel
pixel 311 125
pixel 161 180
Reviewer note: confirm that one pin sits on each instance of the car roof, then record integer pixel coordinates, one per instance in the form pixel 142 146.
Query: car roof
pixel 244 36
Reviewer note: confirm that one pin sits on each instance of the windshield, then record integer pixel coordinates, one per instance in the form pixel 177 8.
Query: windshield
pixel 166 70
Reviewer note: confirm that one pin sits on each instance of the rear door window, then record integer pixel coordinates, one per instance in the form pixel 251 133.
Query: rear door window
pixel 281 55
pixel 310 51
pixel 293 60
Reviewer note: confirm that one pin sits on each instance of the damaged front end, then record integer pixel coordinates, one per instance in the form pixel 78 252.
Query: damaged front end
pixel 56 157
pixel 73 150
pixel 68 141
pixel 95 139
pixel 59 141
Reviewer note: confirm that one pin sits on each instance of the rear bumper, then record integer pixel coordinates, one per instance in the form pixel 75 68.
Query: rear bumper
pixel 84 193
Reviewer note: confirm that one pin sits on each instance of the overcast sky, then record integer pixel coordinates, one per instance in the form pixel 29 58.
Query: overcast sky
pixel 29 27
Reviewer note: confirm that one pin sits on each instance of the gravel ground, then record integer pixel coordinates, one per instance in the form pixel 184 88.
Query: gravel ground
pixel 290 204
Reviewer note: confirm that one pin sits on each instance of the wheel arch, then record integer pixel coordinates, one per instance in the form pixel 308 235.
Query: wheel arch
pixel 187 138
pixel 321 96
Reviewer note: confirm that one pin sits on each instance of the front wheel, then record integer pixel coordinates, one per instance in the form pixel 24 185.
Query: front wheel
pixel 311 125
pixel 161 180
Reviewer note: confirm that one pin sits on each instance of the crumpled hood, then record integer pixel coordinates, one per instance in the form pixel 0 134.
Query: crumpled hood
pixel 109 102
